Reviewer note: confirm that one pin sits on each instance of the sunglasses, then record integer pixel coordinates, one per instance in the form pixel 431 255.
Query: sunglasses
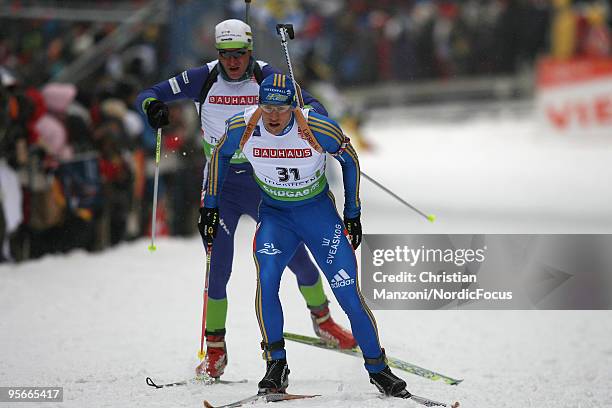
pixel 235 53
pixel 275 108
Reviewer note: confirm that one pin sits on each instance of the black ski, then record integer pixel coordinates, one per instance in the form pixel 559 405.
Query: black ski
pixel 196 380
pixel 270 397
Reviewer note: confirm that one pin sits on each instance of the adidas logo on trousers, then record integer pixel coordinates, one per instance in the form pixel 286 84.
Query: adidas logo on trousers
pixel 341 279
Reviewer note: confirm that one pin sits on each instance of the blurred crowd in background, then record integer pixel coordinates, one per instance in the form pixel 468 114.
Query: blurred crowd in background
pixel 76 168
pixel 76 159
pixel 365 41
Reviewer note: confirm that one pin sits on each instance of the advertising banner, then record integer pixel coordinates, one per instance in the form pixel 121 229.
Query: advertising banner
pixel 574 98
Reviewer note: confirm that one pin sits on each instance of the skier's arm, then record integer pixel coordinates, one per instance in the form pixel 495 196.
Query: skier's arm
pixel 330 137
pixel 309 100
pixel 186 85
pixel 220 159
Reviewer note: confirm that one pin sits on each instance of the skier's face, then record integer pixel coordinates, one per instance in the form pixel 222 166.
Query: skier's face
pixel 275 119
pixel 235 61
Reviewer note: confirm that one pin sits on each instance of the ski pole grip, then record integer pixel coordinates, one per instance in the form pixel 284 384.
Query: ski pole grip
pixel 288 29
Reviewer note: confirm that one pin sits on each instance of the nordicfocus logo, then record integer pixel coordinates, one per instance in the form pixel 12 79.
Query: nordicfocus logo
pixel 233 100
pixel 282 153
pixel 333 244
pixel 341 279
pixel 269 249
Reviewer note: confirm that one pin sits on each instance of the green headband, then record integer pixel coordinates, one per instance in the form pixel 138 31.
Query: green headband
pixel 234 44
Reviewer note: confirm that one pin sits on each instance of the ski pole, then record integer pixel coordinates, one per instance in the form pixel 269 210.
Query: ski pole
pixel 201 353
pixel 286 30
pixel 246 13
pixel 152 247
pixel 428 217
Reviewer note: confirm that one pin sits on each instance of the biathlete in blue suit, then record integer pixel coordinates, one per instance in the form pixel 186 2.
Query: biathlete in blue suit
pixel 220 89
pixel 287 148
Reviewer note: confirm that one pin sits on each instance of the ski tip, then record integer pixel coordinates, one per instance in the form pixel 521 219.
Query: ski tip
pixel 207 404
pixel 456 382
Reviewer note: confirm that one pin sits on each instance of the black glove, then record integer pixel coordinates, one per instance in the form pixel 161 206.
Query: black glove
pixel 208 223
pixel 157 114
pixel 353 226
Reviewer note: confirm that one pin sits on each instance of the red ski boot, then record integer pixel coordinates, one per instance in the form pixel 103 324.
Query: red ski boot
pixel 330 331
pixel 216 355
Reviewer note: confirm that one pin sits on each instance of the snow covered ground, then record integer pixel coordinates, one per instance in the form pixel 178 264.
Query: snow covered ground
pixel 98 324
pixel 487 173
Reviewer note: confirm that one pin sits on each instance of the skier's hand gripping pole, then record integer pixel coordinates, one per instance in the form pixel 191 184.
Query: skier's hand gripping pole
pixel 286 30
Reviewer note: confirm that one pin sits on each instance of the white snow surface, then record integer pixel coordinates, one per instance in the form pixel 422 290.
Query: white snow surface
pixel 98 324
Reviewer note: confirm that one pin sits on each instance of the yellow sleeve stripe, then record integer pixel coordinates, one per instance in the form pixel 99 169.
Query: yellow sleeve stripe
pixel 322 123
pixel 239 119
pixel 211 175
pixel 236 126
pixel 317 129
pixel 338 135
pixel 351 150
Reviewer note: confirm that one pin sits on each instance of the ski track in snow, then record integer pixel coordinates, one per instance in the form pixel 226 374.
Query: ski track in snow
pixel 98 324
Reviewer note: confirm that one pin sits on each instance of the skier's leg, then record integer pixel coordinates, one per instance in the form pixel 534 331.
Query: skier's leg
pixel 220 270
pixel 307 275
pixel 302 266
pixel 311 288
pixel 237 198
pixel 273 246
pixel 230 209
pixel 324 236
pixel 322 322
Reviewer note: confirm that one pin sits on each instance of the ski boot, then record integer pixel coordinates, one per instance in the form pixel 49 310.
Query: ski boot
pixel 387 382
pixel 327 329
pixel 276 378
pixel 215 362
